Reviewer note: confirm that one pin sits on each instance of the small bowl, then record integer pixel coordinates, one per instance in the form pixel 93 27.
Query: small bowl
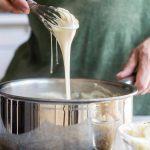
pixel 136 136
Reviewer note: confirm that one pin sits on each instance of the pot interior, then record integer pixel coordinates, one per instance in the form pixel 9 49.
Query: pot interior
pixel 72 124
pixel 53 90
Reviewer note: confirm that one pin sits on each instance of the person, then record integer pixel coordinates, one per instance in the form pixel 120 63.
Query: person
pixel 112 33
pixel 18 6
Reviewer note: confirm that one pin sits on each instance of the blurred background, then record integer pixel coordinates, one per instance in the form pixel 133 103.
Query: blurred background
pixel 14 30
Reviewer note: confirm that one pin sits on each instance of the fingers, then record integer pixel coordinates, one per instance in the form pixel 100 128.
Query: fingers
pixel 129 67
pixel 143 75
pixel 5 5
pixel 15 6
pixel 147 90
pixel 140 59
pixel 21 5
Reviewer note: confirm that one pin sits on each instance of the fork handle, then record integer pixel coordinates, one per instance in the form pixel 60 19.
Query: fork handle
pixel 32 4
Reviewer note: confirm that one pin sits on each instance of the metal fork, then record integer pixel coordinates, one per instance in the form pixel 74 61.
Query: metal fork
pixel 47 14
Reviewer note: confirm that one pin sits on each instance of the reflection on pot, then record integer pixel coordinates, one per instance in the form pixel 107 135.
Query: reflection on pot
pixel 105 119
pixel 59 124
pixel 104 135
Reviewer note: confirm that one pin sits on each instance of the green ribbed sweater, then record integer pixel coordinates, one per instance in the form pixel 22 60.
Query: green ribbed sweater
pixel 109 30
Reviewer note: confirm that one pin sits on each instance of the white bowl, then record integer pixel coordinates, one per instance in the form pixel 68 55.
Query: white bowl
pixel 136 136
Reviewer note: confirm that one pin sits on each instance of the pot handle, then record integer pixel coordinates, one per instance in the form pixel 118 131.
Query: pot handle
pixel 129 80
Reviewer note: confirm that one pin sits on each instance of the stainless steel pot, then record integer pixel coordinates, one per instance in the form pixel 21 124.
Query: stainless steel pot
pixel 39 116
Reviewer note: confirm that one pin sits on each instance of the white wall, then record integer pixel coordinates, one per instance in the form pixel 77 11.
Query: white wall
pixel 14 30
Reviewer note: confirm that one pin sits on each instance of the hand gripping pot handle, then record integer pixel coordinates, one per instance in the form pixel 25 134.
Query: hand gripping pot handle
pixel 129 80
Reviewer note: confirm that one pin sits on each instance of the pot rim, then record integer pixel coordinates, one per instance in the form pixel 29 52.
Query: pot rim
pixel 65 101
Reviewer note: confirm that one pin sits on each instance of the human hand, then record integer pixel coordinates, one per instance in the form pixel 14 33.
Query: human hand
pixel 139 60
pixel 14 6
